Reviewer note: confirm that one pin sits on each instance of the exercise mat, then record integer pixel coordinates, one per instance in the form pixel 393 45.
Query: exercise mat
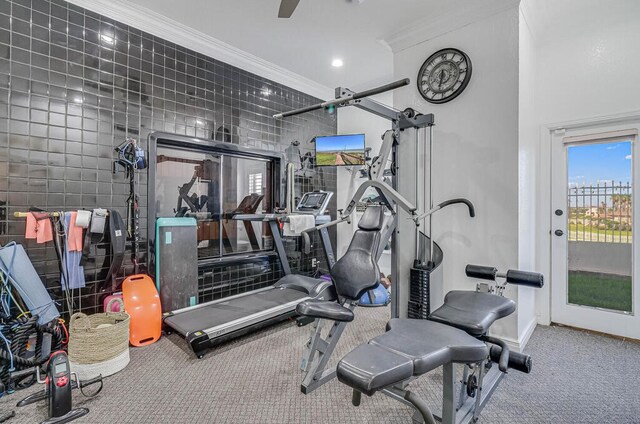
pixel 17 266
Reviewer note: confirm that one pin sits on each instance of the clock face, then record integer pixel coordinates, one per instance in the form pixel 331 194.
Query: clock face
pixel 444 75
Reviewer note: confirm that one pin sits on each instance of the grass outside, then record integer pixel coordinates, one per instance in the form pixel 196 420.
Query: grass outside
pixel 579 232
pixel 607 291
pixel 340 158
pixel 325 158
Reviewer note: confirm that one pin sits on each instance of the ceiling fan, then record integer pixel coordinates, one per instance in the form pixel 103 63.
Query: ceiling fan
pixel 287 7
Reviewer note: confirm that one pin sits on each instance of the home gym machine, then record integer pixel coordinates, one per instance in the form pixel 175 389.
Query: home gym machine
pixel 406 125
pixel 457 332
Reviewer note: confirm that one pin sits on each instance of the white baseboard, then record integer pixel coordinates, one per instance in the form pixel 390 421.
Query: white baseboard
pixel 519 345
pixel 526 335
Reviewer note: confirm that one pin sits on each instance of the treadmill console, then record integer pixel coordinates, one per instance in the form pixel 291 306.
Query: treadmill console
pixel 314 202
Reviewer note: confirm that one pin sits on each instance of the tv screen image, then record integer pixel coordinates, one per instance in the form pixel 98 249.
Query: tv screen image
pixel 340 150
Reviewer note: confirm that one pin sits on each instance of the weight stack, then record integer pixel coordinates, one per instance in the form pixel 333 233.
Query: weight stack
pixel 419 293
pixel 421 276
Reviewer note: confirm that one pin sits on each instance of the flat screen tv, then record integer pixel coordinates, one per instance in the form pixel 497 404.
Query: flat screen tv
pixel 340 150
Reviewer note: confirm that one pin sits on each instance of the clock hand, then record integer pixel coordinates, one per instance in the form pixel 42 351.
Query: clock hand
pixel 441 78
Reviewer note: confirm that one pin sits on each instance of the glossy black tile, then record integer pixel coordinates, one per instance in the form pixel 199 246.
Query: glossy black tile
pixel 73 84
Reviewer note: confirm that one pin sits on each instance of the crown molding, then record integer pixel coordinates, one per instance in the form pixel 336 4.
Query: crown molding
pixel 530 19
pixel 161 26
pixel 419 32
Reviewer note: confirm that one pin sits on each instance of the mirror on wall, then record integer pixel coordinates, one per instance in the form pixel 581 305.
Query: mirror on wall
pixel 245 188
pixel 213 188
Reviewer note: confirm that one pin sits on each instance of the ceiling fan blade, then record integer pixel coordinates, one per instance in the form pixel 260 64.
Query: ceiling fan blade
pixel 287 7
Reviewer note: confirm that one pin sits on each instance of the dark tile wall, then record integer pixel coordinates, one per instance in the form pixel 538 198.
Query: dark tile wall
pixel 74 84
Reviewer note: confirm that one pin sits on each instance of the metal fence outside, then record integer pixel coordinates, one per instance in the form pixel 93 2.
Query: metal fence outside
pixel 600 213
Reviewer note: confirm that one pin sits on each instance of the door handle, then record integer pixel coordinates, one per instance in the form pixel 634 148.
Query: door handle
pixel 559 233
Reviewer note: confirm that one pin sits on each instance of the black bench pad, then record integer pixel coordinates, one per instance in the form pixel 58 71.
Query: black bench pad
pixel 324 309
pixel 471 311
pixel 409 348
pixel 308 285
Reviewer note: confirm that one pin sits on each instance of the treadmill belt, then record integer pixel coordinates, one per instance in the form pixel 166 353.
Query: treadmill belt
pixel 208 316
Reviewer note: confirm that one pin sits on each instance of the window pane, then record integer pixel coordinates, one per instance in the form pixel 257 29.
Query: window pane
pixel 600 225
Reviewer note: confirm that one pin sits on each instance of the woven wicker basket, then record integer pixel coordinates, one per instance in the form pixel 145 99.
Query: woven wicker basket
pixel 97 338
pixel 105 369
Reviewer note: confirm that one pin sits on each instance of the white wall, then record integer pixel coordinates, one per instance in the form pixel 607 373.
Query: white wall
pixel 475 154
pixel 586 68
pixel 352 120
pixel 590 66
pixel 528 163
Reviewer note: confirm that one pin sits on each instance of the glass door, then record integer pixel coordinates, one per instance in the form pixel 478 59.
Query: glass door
pixel 593 284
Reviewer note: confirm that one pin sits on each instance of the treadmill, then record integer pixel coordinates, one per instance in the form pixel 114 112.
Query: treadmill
pixel 209 324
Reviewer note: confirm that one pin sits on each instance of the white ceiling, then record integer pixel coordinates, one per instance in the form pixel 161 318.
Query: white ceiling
pixel 357 31
pixel 318 31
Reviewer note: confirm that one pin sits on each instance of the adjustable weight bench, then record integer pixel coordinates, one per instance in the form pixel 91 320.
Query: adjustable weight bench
pixel 454 333
pixel 355 273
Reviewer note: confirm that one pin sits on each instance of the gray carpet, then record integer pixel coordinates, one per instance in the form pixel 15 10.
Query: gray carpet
pixel 577 378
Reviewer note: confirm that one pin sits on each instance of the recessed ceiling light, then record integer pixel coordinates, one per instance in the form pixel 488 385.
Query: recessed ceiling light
pixel 107 39
pixel 336 63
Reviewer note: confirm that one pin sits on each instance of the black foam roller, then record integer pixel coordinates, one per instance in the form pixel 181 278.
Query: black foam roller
pixel 517 361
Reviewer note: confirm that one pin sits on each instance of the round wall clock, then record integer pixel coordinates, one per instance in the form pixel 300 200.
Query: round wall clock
pixel 444 75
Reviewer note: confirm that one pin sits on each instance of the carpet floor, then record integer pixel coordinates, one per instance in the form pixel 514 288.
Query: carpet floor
pixel 577 378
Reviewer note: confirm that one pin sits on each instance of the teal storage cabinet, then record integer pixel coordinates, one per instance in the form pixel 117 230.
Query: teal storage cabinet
pixel 177 262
